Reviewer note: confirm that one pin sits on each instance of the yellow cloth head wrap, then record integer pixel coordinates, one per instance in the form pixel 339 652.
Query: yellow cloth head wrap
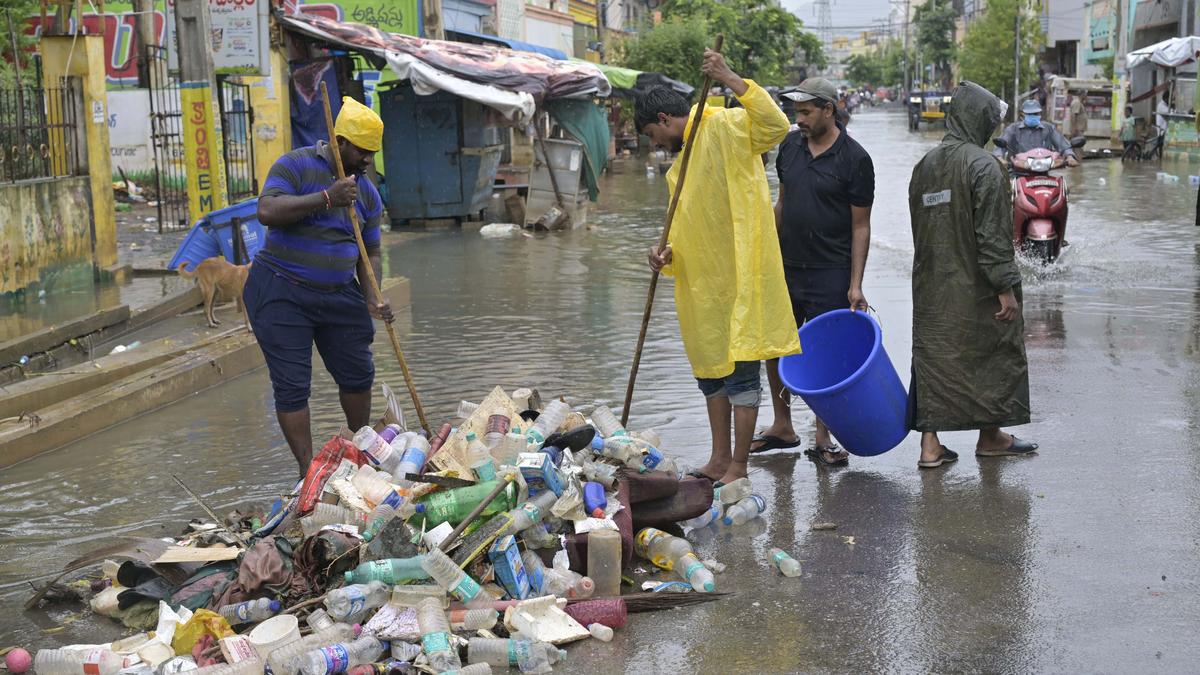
pixel 360 125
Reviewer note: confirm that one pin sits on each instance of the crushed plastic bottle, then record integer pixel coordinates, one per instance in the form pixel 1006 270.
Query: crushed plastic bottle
pixel 98 661
pixel 528 655
pixel 732 493
pixel 394 505
pixel 340 657
pixel 331 514
pixel 712 515
pixel 607 423
pixel 497 429
pixel 351 603
pixel 466 409
pixel 745 510
pixel 600 472
pixel 283 660
pixel 785 563
pixel 371 485
pixel 674 554
pixel 633 453
pixel 391 571
pixel 564 582
pixel 319 620
pixel 435 636
pixel 251 611
pixel 548 422
pixel 600 632
pixel 451 578
pixel 535 569
pixel 473 619
pixel 531 512
pixel 416 452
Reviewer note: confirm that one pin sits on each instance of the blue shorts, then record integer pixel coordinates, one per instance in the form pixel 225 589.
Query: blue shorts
pixel 743 387
pixel 288 318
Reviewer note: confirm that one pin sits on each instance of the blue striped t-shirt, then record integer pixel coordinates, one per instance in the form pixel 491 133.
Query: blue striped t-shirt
pixel 320 250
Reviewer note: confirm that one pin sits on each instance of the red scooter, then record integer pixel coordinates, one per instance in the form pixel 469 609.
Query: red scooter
pixel 1039 202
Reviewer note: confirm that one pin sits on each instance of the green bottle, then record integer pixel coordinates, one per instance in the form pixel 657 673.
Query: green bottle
pixel 390 571
pixel 453 506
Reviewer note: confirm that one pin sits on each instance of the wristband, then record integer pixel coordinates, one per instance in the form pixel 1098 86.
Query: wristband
pixel 328 203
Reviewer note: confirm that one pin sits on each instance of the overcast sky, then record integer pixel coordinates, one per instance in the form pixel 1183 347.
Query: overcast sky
pixel 842 13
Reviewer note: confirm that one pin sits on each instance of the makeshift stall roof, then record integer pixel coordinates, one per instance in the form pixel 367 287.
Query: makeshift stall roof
pixel 629 81
pixel 510 81
pixel 511 44
pixel 1168 53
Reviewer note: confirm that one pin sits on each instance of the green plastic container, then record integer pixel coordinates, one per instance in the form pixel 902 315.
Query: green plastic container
pixel 452 506
pixel 390 571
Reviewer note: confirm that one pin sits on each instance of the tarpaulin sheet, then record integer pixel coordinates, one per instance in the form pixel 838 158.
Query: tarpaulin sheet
pixel 1168 53
pixel 453 66
pixel 513 44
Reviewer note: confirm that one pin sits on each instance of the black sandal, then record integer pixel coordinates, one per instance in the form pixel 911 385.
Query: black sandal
pixel 817 454
pixel 946 457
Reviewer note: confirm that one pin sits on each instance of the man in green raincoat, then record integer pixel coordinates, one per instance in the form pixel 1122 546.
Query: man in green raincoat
pixel 968 369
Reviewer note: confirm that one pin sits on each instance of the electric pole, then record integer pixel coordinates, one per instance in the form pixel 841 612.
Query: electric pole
pixel 1017 64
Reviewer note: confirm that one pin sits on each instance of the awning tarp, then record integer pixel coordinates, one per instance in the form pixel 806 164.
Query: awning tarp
pixel 1168 53
pixel 512 82
pixel 630 81
pixel 513 44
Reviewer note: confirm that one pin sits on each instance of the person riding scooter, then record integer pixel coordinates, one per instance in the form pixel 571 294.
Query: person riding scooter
pixel 1031 132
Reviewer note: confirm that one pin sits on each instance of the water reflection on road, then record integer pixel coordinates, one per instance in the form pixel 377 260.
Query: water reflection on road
pixel 1081 559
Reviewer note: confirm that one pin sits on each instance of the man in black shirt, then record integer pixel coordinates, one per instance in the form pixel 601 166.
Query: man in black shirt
pixel 823 215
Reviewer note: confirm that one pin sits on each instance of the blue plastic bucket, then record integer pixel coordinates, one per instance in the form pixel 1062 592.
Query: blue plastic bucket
pixel 847 379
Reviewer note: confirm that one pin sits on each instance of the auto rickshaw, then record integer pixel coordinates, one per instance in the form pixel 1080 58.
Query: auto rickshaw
pixel 926 106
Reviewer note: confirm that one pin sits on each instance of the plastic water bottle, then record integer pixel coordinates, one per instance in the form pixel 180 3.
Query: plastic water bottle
pixel 548 422
pixel 745 510
pixel 319 620
pixel 395 504
pixel 370 484
pixel 380 452
pixel 785 563
pixel 731 493
pixel 479 459
pixel 674 554
pixel 600 632
pixel 535 569
pixel 514 444
pixel 531 512
pixel 528 655
pixel 473 619
pixel 340 657
pixel 497 429
pixel 564 582
pixel 98 661
pixel 413 459
pixel 251 611
pixel 390 432
pixel 472 669
pixel 712 515
pixel 649 435
pixel 466 409
pixel 351 603
pixel 607 423
pixel 451 578
pixel 633 453
pixel 594 499
pixel 599 472
pixel 284 660
pixel 391 571
pixel 330 514
pixel 435 635
pixel 675 467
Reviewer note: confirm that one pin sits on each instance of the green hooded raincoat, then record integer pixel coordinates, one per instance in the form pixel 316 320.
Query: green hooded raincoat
pixel 969 370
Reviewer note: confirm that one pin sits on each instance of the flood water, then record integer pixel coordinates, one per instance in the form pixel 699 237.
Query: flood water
pixel 1082 559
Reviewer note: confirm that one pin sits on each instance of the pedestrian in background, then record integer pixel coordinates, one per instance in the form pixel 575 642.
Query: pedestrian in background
pixel 723 253
pixel 823 217
pixel 969 369
pixel 1078 114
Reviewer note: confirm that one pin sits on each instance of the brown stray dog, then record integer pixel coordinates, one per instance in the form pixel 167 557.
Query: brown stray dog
pixel 218 274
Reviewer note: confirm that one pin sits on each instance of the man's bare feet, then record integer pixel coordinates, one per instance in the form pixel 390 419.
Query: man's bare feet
pixel 991 442
pixel 715 468
pixel 735 471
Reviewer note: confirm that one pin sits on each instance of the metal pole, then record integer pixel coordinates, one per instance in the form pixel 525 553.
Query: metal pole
pixel 1017 62
pixel 907 76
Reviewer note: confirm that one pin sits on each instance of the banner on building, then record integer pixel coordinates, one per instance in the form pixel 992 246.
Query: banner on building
pixel 1102 35
pixel 202 150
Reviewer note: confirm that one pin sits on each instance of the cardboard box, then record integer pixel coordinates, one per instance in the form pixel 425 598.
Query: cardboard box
pixel 539 473
pixel 509 570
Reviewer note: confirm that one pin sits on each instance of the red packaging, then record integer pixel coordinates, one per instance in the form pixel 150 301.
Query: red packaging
pixel 322 466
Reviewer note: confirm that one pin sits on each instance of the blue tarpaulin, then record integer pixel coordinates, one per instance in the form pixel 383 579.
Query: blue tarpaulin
pixel 511 44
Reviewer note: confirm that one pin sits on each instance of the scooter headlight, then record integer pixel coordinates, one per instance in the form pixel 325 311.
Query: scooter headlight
pixel 1040 164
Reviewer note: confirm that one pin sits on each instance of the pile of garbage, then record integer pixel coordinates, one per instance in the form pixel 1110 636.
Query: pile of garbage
pixel 488 545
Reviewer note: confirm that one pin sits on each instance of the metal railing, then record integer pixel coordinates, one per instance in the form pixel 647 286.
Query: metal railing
pixel 40 134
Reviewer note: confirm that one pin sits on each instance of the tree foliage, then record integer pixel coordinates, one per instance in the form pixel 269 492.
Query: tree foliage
pixel 880 67
pixel 19 11
pixel 935 36
pixel 986 57
pixel 762 40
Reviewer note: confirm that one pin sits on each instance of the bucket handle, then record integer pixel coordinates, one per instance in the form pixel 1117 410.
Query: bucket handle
pixel 878 318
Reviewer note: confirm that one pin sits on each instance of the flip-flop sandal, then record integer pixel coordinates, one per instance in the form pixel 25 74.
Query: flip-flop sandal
pixel 697 474
pixel 771 443
pixel 946 457
pixel 817 454
pixel 1019 448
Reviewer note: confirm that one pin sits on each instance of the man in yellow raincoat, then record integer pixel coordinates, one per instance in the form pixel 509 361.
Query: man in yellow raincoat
pixel 723 252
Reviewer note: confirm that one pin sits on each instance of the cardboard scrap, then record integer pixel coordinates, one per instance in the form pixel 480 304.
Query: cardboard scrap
pixel 181 554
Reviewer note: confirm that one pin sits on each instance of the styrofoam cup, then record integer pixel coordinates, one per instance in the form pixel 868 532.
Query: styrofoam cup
pixel 275 632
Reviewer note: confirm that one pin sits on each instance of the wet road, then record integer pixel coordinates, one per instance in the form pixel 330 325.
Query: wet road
pixel 1083 559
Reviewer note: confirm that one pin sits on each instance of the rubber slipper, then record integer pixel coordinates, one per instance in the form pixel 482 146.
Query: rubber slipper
pixel 817 454
pixel 771 443
pixel 946 457
pixel 697 474
pixel 1017 449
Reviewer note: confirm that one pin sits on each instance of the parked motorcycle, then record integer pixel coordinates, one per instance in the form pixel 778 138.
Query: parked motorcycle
pixel 1039 202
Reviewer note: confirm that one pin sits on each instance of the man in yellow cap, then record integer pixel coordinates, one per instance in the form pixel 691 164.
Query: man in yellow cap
pixel 306 284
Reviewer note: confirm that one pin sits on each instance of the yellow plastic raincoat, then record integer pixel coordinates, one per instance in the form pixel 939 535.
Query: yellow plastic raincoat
pixel 730 293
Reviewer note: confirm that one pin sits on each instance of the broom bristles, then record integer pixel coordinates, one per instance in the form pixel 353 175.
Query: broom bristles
pixel 653 602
